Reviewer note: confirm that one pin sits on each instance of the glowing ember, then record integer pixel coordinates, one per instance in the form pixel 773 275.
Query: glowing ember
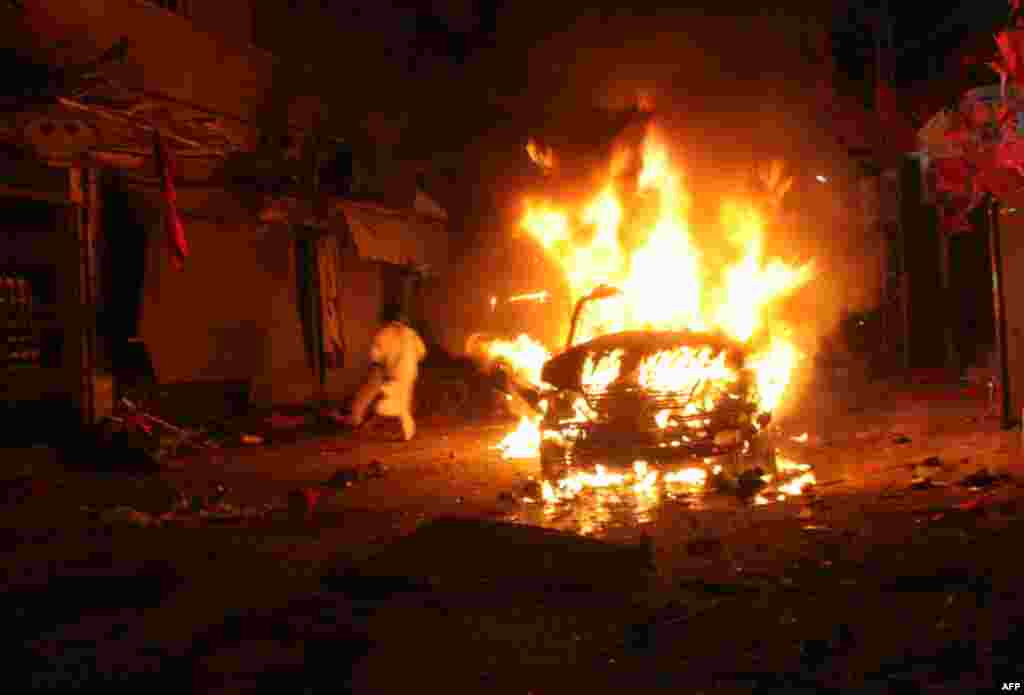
pixel 665 283
pixel 601 373
pixel 796 485
pixel 688 476
pixel 801 438
pixel 523 442
pixel 541 296
pixel 796 475
pixel 544 157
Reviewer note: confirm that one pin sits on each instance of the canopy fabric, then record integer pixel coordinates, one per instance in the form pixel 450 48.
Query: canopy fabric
pixel 397 238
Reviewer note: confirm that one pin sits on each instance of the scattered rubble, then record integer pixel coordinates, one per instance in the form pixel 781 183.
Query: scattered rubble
pixel 704 546
pixel 375 470
pixel 349 476
pixel 750 483
pixel 302 502
pixel 287 422
pixel 982 478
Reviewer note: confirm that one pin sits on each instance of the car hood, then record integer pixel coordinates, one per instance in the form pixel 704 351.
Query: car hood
pixel 565 370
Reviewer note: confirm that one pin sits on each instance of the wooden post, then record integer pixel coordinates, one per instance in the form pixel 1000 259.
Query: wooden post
pixel 84 194
pixel 999 307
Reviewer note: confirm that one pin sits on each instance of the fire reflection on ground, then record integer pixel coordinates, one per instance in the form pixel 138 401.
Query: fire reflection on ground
pixel 626 503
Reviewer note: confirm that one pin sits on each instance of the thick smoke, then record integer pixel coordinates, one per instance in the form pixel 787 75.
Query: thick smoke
pixel 730 94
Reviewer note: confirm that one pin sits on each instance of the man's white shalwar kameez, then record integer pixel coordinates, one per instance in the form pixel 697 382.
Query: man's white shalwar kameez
pixel 396 353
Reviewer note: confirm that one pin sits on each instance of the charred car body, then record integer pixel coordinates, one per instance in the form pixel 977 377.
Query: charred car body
pixel 607 405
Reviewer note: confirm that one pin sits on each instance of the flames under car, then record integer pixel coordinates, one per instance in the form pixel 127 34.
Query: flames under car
pixel 606 408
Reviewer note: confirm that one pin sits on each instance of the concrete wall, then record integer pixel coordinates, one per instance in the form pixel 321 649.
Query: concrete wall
pixel 231 19
pixel 232 313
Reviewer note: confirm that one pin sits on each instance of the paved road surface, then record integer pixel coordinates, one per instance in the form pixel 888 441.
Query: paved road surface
pixel 866 584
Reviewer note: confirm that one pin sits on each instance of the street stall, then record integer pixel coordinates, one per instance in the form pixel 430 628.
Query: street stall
pixel 47 271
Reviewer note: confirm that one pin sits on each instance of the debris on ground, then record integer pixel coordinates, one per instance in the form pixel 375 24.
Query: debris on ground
pixel 704 546
pixel 349 476
pixel 302 503
pixel 286 422
pixel 328 449
pixel 17 490
pixel 345 477
pixel 750 483
pixel 127 515
pixel 982 478
pixel 974 503
pixel 925 484
pixel 901 439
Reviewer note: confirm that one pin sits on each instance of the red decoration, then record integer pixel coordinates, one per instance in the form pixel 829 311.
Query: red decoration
pixel 175 229
pixel 953 215
pixel 952 175
pixel 1011 55
pixel 1010 154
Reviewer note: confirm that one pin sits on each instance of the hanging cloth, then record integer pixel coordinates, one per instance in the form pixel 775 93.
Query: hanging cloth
pixel 175 229
pixel 328 258
pixel 307 276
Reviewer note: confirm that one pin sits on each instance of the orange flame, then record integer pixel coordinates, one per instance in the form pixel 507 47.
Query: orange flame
pixel 544 157
pixel 524 355
pixel 523 442
pixel 665 281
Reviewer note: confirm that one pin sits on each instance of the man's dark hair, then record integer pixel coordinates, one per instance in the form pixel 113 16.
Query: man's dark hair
pixel 391 311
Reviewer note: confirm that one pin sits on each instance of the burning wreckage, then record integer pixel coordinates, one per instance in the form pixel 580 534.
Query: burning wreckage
pixel 653 398
pixel 660 379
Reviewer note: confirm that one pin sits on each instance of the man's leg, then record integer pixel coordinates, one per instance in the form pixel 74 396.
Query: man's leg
pixel 365 396
pixel 408 426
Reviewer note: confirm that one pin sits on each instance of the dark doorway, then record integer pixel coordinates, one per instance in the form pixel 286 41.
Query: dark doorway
pixel 928 314
pixel 971 288
pixel 126 221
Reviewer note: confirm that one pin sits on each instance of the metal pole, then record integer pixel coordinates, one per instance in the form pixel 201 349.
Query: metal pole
pixel 999 307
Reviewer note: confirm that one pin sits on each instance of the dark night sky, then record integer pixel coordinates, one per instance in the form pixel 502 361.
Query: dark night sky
pixel 922 34
pixel 737 77
pixel 463 31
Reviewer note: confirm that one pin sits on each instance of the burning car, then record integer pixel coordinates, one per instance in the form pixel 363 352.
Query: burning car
pixel 664 397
